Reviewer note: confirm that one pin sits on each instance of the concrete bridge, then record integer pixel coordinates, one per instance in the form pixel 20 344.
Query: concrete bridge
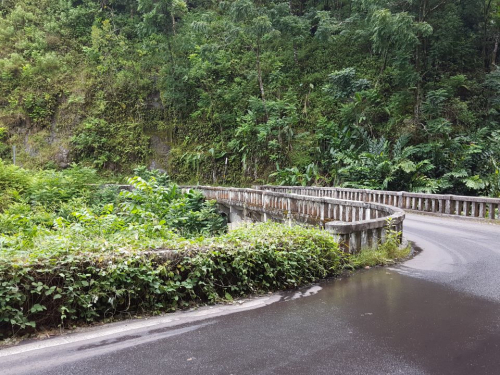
pixel 355 225
pixel 357 218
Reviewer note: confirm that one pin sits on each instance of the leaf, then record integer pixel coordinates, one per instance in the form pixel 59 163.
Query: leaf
pixel 408 166
pixel 37 308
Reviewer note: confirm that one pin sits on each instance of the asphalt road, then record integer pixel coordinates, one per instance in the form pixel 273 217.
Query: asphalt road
pixel 438 313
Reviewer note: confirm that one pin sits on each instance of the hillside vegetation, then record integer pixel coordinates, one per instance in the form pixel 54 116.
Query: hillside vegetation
pixel 386 94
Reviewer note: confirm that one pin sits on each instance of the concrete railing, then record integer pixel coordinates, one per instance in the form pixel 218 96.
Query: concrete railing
pixel 355 225
pixel 453 205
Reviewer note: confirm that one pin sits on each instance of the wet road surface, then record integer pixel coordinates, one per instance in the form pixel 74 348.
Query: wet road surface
pixel 438 313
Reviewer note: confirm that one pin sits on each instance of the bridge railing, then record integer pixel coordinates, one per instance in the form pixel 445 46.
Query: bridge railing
pixel 454 205
pixel 356 225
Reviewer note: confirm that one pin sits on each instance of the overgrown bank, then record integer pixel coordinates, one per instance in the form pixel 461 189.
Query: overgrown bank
pixel 59 224
pixel 72 251
pixel 61 289
pixel 58 290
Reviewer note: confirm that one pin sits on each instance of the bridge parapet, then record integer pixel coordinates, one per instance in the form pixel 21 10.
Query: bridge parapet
pixel 452 205
pixel 355 224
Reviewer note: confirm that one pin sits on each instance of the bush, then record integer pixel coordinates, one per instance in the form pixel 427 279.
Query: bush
pixel 72 251
pixel 49 188
pixel 12 177
pixel 187 213
pixel 387 253
pixel 57 289
pixel 146 174
pixel 52 188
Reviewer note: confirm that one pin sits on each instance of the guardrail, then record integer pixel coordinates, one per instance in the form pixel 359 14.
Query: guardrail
pixel 355 224
pixel 452 205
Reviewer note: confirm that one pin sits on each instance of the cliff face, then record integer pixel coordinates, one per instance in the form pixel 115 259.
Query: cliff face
pixel 69 134
pixel 74 87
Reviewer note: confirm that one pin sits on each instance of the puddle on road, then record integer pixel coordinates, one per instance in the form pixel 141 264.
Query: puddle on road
pixel 301 293
pixel 429 324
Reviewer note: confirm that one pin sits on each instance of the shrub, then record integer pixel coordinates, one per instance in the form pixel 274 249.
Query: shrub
pixel 146 174
pixel 387 253
pixel 12 177
pixel 188 213
pixel 51 188
pixel 57 289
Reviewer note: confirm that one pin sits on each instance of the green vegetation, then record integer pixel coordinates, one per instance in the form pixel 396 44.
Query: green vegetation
pixel 400 95
pixel 59 229
pixel 63 212
pixel 75 250
pixel 65 285
pixel 387 253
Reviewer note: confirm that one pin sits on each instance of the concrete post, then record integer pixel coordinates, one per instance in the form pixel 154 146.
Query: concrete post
pixel 448 206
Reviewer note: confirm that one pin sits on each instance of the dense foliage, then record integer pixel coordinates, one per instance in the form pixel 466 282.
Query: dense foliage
pixel 370 93
pixel 62 212
pixel 61 287
pixel 61 231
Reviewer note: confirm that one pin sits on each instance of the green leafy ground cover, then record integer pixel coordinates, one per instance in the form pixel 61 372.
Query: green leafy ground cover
pixel 73 252
pixel 60 288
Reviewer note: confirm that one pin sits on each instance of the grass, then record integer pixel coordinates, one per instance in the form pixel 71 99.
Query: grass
pixel 388 253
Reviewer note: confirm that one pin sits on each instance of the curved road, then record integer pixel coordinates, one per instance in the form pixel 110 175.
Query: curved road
pixel 438 313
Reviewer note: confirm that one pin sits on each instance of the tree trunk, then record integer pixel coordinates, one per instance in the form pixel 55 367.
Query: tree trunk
pixel 295 57
pixel 384 63
pixel 418 101
pixel 256 169
pixel 486 12
pixel 261 82
pixel 290 7
pixel 494 54
pixel 171 55
pixel 259 75
pixel 173 22
pixel 418 93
